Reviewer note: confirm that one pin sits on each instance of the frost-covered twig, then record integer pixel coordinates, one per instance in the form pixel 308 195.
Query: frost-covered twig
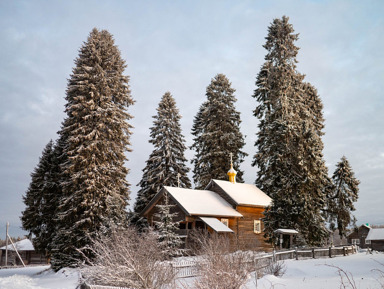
pixel 380 279
pixel 346 278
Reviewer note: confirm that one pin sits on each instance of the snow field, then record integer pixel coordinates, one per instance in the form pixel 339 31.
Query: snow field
pixel 319 273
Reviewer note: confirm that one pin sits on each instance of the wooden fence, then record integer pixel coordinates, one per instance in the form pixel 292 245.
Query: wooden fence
pixel 186 269
pixel 86 286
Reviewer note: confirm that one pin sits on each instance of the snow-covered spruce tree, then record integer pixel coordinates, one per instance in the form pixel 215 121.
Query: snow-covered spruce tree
pixel 166 228
pixel 167 159
pixel 96 132
pixel 289 146
pixel 345 193
pixel 216 131
pixel 41 201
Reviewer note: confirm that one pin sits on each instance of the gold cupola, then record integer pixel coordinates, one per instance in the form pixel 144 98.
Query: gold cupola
pixel 232 173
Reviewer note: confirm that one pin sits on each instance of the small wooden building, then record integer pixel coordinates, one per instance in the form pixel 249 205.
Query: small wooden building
pixel 375 239
pixel 358 236
pixel 224 207
pixel 26 251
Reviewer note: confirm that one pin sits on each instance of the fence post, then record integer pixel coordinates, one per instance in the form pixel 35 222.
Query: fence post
pixel 330 252
pixel 274 256
pixel 344 251
pixel 313 253
pixel 6 245
pixel 297 255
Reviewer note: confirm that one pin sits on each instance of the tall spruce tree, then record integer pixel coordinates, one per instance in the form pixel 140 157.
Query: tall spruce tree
pixel 216 131
pixel 167 159
pixel 289 146
pixel 96 136
pixel 345 193
pixel 41 201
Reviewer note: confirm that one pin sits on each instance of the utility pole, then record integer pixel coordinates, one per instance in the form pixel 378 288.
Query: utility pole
pixel 14 247
pixel 6 245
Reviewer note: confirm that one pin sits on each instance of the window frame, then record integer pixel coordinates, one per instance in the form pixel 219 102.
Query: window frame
pixel 355 241
pixel 257 226
pixel 225 221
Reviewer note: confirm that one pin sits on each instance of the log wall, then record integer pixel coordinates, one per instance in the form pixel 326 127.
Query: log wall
pixel 245 231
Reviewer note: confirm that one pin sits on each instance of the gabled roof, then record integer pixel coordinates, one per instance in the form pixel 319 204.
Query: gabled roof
pixel 375 234
pixel 196 202
pixel 23 245
pixel 244 194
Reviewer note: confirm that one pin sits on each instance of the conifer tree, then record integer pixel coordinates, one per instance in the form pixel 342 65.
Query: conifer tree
pixel 167 159
pixel 216 131
pixel 166 228
pixel 289 146
pixel 345 193
pixel 41 201
pixel 96 136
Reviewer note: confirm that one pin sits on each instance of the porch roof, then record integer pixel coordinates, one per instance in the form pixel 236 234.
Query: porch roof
pixel 216 225
pixel 286 231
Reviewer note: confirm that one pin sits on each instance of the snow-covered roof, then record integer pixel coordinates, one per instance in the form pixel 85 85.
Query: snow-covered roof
pixel 23 245
pixel 216 225
pixel 244 194
pixel 202 202
pixel 286 231
pixel 375 234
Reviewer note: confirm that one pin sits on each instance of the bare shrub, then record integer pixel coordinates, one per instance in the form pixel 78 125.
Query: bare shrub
pixel 275 268
pixel 380 272
pixel 218 267
pixel 128 259
pixel 346 278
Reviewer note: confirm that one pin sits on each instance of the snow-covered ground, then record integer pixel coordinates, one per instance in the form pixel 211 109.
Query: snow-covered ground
pixel 312 273
pixel 38 277
pixel 318 273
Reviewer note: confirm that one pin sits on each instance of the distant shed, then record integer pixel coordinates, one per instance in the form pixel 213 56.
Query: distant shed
pixel 375 239
pixel 26 251
pixel 358 236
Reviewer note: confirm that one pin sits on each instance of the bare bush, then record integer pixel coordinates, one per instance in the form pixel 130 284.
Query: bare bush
pixel 275 268
pixel 128 259
pixel 218 267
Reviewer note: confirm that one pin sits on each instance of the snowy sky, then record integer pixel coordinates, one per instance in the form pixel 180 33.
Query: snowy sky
pixel 179 46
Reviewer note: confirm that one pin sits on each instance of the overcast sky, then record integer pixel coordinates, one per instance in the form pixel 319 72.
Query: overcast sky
pixel 179 46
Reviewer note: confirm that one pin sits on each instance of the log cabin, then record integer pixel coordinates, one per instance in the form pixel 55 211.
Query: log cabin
pixel 27 253
pixel 375 239
pixel 223 207
pixel 367 237
pixel 358 236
